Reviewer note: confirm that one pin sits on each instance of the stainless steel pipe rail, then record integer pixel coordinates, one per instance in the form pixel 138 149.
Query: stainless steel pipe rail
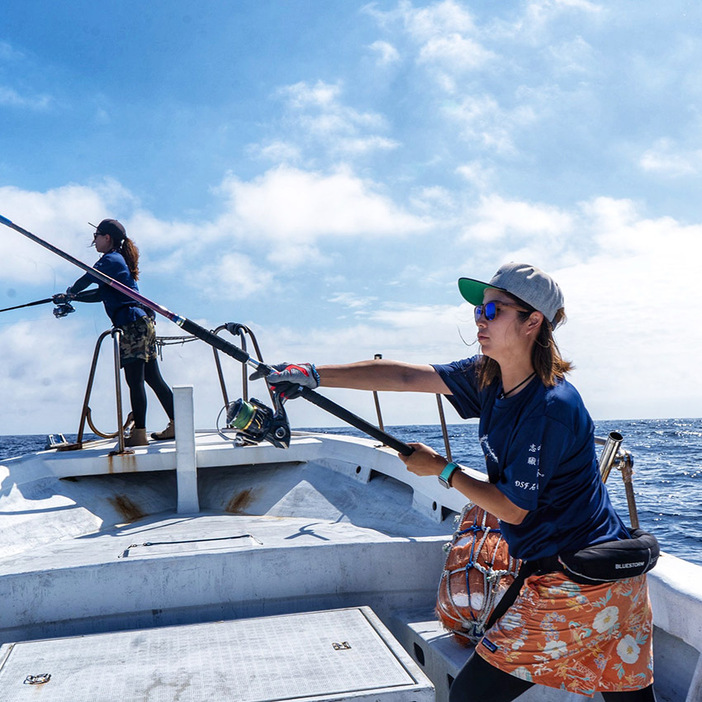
pixel 242 332
pixel 86 412
pixel 611 456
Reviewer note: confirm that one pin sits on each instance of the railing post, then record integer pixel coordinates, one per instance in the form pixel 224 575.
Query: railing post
pixel 186 462
pixel 444 429
pixel 377 357
pixel 116 336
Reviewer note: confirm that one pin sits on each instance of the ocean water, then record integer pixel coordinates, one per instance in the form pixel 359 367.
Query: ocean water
pixel 667 470
pixel 667 477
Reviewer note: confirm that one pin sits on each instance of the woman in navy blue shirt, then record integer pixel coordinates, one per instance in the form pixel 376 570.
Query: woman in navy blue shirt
pixel 544 487
pixel 120 261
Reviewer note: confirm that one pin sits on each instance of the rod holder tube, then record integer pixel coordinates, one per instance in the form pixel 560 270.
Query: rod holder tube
pixel 609 454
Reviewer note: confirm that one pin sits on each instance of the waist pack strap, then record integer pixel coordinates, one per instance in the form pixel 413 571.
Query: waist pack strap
pixel 525 570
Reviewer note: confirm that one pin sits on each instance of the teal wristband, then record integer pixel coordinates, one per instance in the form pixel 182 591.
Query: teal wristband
pixel 447 473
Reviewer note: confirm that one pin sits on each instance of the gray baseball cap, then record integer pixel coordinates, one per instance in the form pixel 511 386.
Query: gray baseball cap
pixel 522 280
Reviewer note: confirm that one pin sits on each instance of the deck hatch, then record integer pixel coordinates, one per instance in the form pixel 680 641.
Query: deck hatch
pixel 328 655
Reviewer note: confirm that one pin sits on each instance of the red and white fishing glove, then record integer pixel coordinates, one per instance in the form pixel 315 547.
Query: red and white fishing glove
pixel 289 379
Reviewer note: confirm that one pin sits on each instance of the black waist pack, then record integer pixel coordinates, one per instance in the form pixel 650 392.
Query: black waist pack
pixel 612 560
pixel 601 563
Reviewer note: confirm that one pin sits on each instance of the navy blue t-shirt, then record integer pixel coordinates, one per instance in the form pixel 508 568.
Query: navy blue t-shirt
pixel 120 309
pixel 540 453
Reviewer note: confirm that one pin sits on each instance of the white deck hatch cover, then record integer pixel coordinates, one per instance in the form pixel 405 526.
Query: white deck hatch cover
pixel 323 656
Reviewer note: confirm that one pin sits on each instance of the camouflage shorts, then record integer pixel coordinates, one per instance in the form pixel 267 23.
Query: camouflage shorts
pixel 138 341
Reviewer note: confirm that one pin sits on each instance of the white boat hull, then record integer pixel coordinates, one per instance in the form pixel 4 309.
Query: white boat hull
pixel 95 544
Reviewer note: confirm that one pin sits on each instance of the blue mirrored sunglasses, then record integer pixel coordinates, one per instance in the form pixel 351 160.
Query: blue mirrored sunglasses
pixel 490 309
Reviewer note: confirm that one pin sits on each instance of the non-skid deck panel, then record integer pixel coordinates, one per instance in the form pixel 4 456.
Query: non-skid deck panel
pixel 330 655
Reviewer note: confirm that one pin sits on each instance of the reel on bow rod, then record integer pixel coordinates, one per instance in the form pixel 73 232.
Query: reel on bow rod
pixel 62 309
pixel 254 422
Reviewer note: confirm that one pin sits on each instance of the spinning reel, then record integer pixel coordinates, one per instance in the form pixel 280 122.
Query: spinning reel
pixel 63 305
pixel 254 422
pixel 62 309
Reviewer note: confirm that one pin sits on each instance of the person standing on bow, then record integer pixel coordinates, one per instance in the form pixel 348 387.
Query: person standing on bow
pixel 120 261
pixel 544 487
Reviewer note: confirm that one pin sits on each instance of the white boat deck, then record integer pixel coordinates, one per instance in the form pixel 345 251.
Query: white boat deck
pixel 307 533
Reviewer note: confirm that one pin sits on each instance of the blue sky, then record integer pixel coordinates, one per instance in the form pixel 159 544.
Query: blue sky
pixel 325 171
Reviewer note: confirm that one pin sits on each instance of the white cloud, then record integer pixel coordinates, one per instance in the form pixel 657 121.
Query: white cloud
pixel 477 173
pixel 444 38
pixel 435 201
pixel 631 300
pixel 277 151
pixel 302 95
pixel 557 5
pixel 541 15
pixel 291 208
pixel 496 218
pixel 44 374
pixel 668 159
pixel 454 52
pixel 483 122
pixel 353 301
pixel 317 116
pixel 234 276
pixel 9 53
pixel 59 216
pixel 386 52
pixel 441 18
pixel 287 215
pixel 572 56
pixel 434 319
pixel 9 97
pixel 365 145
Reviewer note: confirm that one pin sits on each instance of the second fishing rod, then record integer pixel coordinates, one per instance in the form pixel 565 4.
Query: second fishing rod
pixel 221 345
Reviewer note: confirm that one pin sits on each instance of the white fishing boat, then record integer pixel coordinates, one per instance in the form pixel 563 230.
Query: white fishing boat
pixel 272 566
pixel 204 569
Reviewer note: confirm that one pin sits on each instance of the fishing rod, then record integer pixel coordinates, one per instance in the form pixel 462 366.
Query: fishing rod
pixel 247 412
pixel 79 297
pixel 29 304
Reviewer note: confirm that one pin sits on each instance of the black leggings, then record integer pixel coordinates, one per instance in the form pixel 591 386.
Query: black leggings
pixel 479 681
pixel 137 373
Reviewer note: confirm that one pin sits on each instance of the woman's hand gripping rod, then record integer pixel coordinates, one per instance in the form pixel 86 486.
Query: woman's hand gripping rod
pixel 222 345
pixel 254 417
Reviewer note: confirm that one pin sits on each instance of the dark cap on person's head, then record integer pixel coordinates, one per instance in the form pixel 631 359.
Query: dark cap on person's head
pixel 114 228
pixel 522 280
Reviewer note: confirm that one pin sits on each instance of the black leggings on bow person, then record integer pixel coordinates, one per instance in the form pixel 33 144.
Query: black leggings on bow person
pixel 137 373
pixel 478 681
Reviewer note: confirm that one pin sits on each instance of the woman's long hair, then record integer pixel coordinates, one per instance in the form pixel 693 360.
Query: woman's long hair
pixel 129 250
pixel 546 357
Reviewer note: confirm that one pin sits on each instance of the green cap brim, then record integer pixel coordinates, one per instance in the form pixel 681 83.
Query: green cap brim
pixel 473 290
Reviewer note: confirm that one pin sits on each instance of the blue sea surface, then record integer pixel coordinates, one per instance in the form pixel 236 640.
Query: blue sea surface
pixel 667 478
pixel 667 470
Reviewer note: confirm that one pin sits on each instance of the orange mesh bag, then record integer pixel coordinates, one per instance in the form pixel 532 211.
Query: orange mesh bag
pixel 477 572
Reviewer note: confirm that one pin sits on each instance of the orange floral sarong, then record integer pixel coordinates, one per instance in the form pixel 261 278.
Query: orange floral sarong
pixel 580 638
